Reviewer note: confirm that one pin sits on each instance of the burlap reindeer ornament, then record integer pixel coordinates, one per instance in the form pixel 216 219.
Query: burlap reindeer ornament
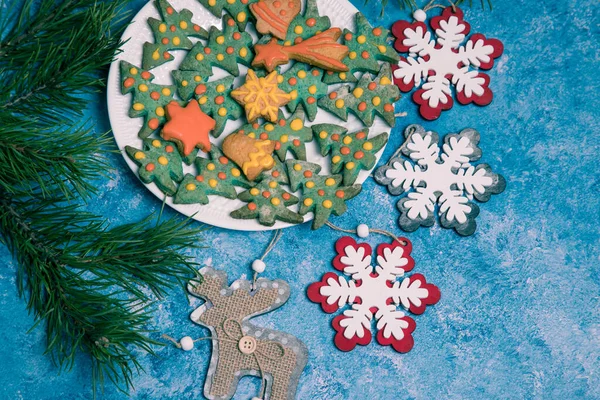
pixel 240 347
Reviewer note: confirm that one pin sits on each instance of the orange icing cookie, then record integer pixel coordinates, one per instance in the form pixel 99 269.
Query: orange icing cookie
pixel 251 155
pixel 321 50
pixel 274 16
pixel 189 127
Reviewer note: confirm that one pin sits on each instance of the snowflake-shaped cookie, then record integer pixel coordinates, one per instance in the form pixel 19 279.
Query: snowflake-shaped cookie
pixel 444 61
pixel 374 293
pixel 447 179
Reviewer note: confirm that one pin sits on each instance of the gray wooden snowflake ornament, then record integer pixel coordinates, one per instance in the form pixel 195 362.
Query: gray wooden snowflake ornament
pixel 444 177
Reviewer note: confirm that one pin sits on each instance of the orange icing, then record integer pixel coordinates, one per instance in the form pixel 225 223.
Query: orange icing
pixel 321 50
pixel 188 126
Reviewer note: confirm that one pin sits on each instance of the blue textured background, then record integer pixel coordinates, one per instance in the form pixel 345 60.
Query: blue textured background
pixel 519 315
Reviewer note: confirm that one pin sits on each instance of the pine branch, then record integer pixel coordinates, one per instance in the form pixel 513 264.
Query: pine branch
pixel 93 286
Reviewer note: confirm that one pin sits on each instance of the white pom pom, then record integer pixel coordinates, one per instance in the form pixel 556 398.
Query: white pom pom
pixel 186 343
pixel 256 398
pixel 419 15
pixel 258 266
pixel 362 231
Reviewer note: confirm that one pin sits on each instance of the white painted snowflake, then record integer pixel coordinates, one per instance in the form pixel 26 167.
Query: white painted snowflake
pixel 447 179
pixel 374 293
pixel 444 61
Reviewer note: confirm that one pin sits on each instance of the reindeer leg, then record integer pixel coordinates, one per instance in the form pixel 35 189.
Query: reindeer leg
pixel 223 380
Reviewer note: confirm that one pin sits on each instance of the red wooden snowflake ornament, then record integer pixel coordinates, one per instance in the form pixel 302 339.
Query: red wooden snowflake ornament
pixel 373 293
pixel 443 62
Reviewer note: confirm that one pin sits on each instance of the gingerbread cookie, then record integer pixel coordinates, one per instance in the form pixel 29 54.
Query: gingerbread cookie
pixel 322 194
pixel 189 127
pixel 149 99
pixel 169 34
pixel 238 9
pixel 307 25
pixel 367 46
pixel 273 17
pixel 321 50
pixel 289 134
pixel 225 49
pixel 251 155
pixel 216 176
pixel 159 162
pixel 261 96
pixel 350 152
pixel 214 97
pixel 369 97
pixel 305 85
pixel 268 202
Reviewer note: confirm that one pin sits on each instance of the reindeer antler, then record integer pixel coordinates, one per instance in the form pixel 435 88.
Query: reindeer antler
pixel 213 282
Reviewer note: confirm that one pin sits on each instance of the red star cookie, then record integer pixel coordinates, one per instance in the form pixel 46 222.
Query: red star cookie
pixel 188 127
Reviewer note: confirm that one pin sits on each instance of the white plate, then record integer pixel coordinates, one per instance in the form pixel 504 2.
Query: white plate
pixel 125 129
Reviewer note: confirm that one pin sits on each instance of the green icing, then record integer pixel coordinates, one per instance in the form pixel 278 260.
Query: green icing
pixel 369 97
pixel 307 82
pixel 158 162
pixel 365 49
pixel 170 33
pixel 268 202
pixel 322 195
pixel 290 134
pixel 350 152
pixel 214 97
pixel 234 9
pixel 151 96
pixel 307 25
pixel 225 49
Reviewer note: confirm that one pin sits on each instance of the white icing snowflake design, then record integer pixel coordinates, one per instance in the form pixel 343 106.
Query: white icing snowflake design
pixel 444 61
pixel 447 179
pixel 374 293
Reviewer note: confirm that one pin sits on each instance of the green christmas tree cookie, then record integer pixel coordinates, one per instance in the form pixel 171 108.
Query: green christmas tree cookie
pixel 289 134
pixel 350 152
pixel 238 9
pixel 214 97
pixel 306 87
pixel 278 173
pixel 322 194
pixel 370 97
pixel 225 49
pixel 149 99
pixel 268 202
pixel 169 34
pixel 216 176
pixel 307 25
pixel 159 162
pixel 367 46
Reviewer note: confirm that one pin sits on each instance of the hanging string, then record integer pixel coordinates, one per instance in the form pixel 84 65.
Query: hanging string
pixel 374 230
pixel 235 340
pixel 271 246
pixel 431 5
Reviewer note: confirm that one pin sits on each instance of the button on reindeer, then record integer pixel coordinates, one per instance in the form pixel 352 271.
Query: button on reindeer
pixel 241 348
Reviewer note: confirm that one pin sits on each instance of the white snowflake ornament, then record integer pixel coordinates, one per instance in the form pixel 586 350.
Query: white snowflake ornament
pixel 373 294
pixel 443 62
pixel 447 179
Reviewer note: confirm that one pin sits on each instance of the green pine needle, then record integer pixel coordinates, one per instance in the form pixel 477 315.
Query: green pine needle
pixel 91 285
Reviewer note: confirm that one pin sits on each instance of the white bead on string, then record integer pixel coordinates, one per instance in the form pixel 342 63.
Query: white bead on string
pixel 420 15
pixel 259 266
pixel 362 231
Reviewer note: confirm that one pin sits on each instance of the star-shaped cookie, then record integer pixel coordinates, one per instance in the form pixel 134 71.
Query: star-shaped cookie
pixel 188 127
pixel 261 97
